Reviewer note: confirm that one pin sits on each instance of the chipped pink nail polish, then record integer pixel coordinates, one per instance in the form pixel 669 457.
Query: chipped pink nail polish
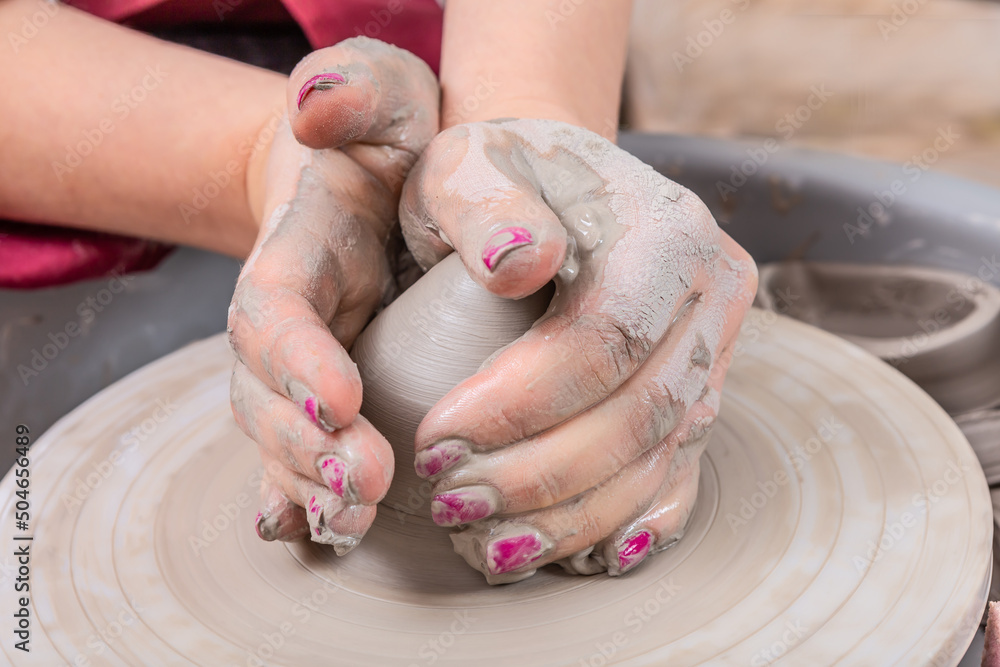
pixel 634 549
pixel 440 457
pixel 464 505
pixel 310 408
pixel 334 471
pixel 323 81
pixel 511 553
pixel 313 505
pixel 256 524
pixel 503 242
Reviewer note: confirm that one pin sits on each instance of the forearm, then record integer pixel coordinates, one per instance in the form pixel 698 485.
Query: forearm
pixel 105 128
pixel 534 59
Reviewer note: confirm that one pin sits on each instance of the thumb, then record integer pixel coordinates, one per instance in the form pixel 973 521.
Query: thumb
pixel 363 90
pixel 467 195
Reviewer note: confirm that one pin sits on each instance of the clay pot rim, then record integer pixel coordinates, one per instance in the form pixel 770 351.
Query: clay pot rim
pixel 984 314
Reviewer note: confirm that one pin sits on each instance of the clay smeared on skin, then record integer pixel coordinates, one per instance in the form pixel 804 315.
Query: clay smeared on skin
pixel 615 209
pixel 620 267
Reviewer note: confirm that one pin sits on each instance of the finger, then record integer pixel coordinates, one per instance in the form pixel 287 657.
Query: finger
pixel 640 510
pixel 279 519
pixel 354 462
pixel 579 454
pixel 508 550
pixel 321 506
pixel 298 286
pixel 659 528
pixel 574 358
pixel 279 336
pixel 363 90
pixel 664 522
pixel 493 215
pixel 604 324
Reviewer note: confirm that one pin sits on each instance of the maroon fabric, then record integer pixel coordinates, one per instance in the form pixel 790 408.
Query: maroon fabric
pixel 33 256
pixel 414 25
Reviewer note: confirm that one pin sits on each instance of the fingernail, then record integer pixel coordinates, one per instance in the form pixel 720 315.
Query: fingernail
pixel 310 407
pixel 271 527
pixel 309 404
pixel 512 553
pixel 634 549
pixel 345 544
pixel 323 81
pixel 320 514
pixel 503 242
pixel 334 471
pixel 464 505
pixel 440 457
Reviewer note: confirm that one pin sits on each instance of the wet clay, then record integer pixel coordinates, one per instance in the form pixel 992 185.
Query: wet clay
pixel 940 328
pixel 438 333
pixel 144 551
pixel 640 249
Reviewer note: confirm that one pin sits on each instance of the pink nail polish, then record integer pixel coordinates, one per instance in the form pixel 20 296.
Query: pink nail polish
pixel 440 457
pixel 634 549
pixel 334 471
pixel 464 505
pixel 512 553
pixel 256 524
pixel 310 408
pixel 323 81
pixel 503 242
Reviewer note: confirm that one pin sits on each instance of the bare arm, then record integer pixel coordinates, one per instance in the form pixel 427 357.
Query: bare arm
pixel 105 128
pixel 530 59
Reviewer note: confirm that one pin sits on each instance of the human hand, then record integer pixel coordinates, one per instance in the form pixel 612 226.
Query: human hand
pixel 580 442
pixel 359 114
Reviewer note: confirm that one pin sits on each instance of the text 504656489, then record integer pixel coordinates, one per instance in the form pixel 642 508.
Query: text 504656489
pixel 22 542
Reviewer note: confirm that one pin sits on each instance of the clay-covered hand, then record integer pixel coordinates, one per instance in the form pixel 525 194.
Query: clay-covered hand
pixel 358 116
pixel 579 442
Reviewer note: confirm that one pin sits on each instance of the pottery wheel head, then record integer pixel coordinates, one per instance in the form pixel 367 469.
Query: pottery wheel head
pixel 841 516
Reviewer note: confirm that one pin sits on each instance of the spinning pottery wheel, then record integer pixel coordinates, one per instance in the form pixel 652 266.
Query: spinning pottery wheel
pixel 841 517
